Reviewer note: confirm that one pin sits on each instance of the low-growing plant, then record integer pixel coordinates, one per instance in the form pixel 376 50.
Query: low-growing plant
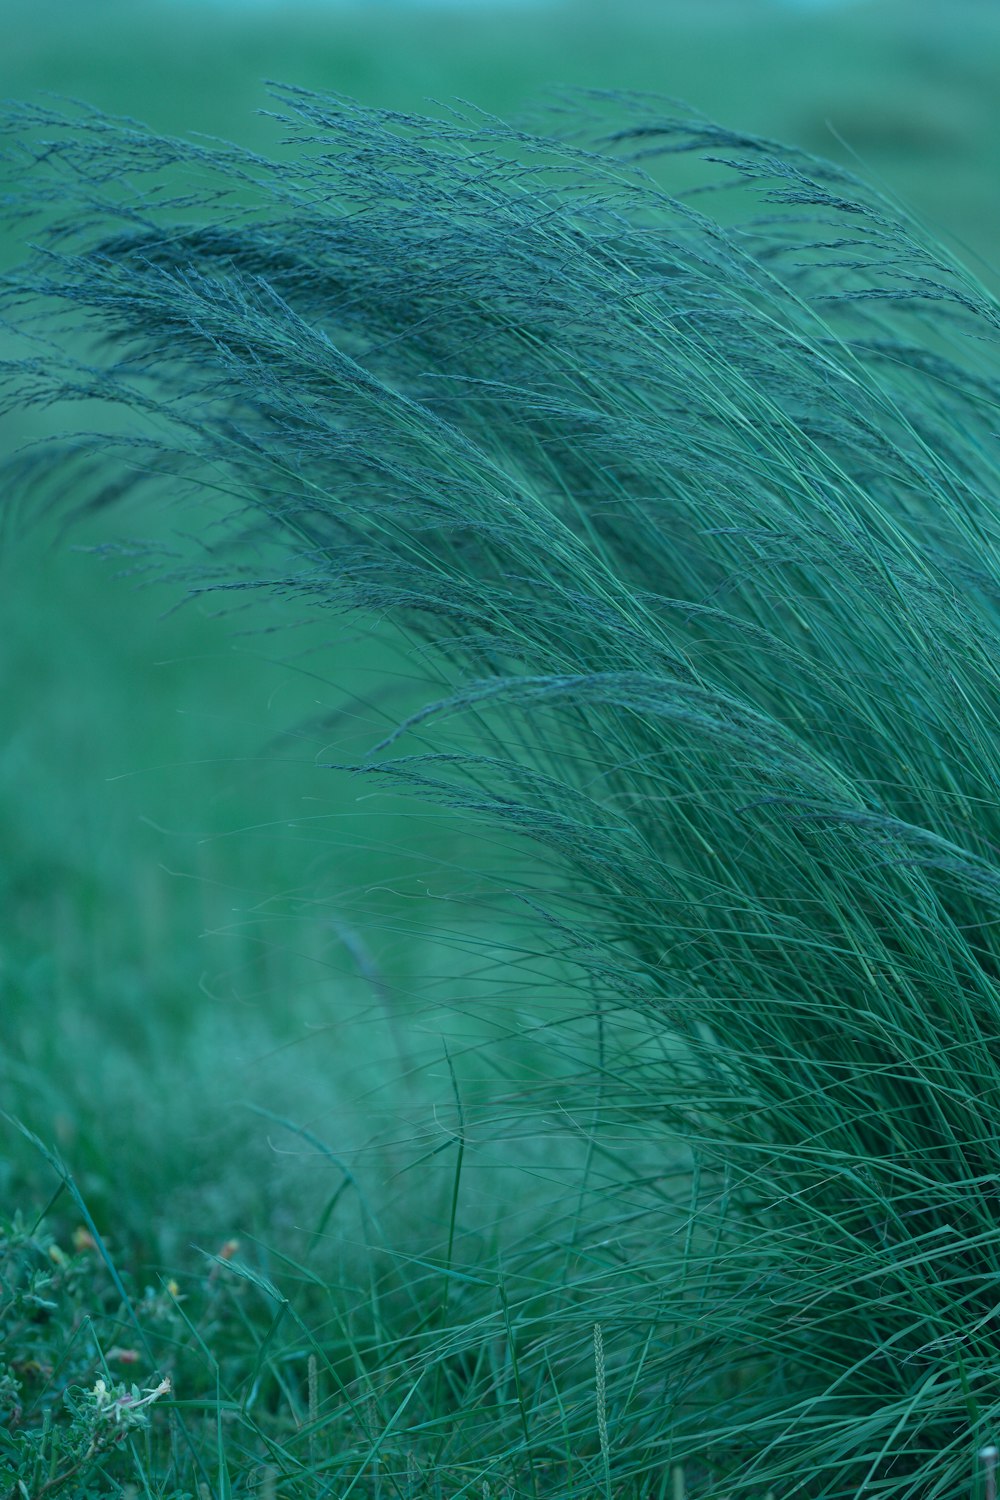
pixel 66 1423
pixel 684 530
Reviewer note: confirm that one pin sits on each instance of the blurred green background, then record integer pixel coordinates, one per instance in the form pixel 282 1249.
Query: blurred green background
pixel 197 914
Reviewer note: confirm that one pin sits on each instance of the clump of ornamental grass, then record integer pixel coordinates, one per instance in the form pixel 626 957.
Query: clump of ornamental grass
pixel 683 511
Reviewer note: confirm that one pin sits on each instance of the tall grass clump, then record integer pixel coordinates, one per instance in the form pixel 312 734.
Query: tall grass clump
pixel 683 513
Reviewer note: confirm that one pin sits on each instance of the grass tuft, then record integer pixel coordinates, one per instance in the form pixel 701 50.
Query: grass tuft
pixel 682 513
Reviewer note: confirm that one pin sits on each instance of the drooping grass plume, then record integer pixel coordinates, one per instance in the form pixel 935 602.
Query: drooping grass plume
pixel 685 511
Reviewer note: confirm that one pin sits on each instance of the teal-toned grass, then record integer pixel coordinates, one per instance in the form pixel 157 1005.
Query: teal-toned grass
pixel 147 803
pixel 684 512
pixel 908 85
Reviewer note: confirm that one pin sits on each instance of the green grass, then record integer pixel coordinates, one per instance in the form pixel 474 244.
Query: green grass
pixel 204 916
pixel 140 746
pixel 907 85
pixel 684 531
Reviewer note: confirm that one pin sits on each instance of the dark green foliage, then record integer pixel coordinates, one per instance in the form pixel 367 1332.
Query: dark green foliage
pixel 693 522
pixel 67 1426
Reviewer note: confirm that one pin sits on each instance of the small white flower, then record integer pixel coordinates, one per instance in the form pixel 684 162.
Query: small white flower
pixel 120 1404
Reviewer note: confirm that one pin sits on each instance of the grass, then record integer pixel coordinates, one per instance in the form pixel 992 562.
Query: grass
pixel 226 920
pixel 159 860
pixel 668 528
pixel 904 89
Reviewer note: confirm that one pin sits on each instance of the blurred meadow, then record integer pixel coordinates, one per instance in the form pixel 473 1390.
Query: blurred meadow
pixel 232 978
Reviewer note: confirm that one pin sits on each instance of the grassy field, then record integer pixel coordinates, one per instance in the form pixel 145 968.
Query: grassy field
pixel 167 838
pixel 246 997
pixel 906 90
